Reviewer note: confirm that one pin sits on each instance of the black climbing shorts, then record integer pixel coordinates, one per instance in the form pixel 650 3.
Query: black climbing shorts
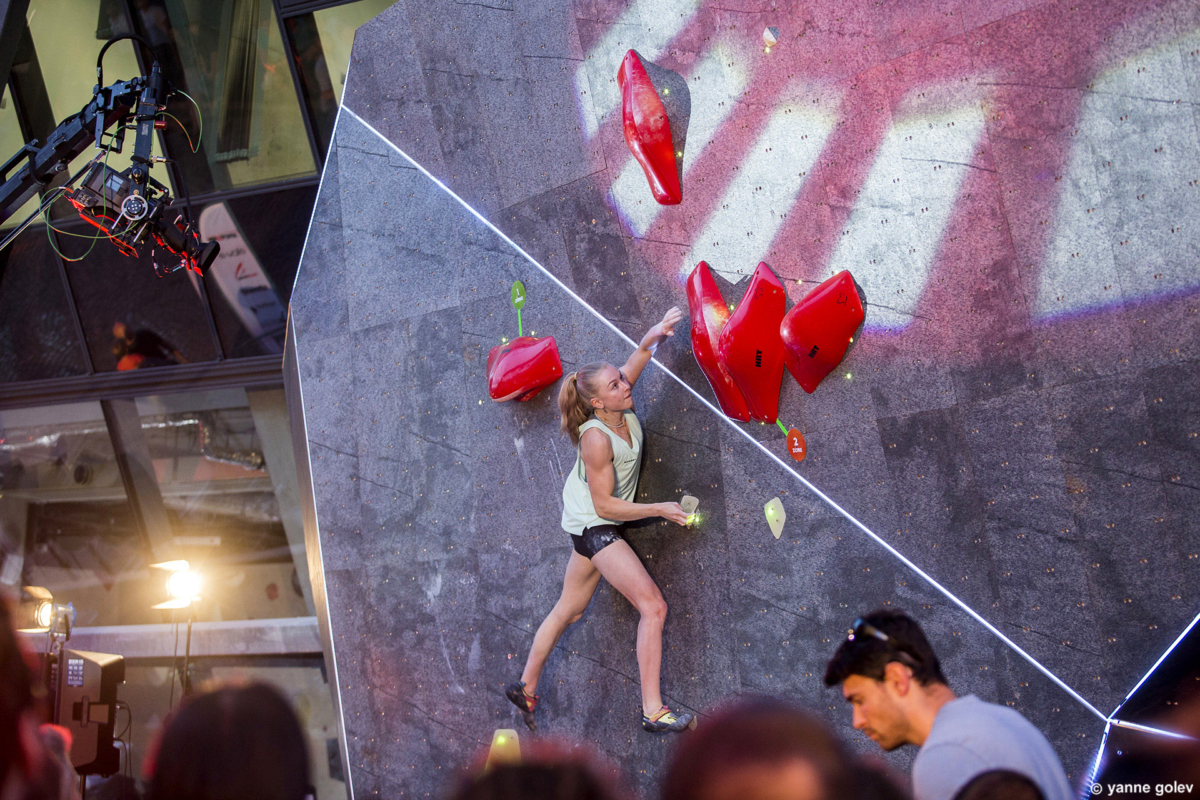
pixel 596 538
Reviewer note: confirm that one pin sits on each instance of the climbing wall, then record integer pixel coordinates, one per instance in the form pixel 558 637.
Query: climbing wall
pixel 1012 185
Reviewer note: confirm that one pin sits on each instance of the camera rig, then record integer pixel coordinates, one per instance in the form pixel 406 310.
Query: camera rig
pixel 129 207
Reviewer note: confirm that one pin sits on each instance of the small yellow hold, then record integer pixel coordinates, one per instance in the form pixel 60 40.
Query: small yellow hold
pixel 776 516
pixel 505 749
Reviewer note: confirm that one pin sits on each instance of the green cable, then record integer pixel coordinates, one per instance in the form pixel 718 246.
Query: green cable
pixel 781 427
pixel 194 147
pixel 49 227
pixel 199 116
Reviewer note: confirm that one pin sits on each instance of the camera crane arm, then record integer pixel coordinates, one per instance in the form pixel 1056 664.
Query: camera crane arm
pixel 142 202
pixel 72 137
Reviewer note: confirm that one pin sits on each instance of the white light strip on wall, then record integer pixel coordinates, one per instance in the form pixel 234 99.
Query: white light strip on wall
pixel 904 560
pixel 1148 729
pixel 1086 789
pixel 1156 663
pixel 344 745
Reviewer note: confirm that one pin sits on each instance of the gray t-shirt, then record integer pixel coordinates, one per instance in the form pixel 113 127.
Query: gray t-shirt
pixel 970 736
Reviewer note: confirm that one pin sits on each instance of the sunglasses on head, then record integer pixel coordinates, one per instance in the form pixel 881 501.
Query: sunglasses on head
pixel 864 628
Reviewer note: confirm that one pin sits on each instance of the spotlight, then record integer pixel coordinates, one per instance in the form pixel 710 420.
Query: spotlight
pixel 39 613
pixel 44 614
pixel 183 584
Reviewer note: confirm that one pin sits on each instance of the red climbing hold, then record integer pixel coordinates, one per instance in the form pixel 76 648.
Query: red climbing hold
pixel 750 347
pixel 709 315
pixel 820 328
pixel 522 368
pixel 647 130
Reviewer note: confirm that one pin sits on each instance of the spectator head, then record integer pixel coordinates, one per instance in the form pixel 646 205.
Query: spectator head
pixel 887 672
pixel 1000 784
pixel 27 768
pixel 760 750
pixel 16 698
pixel 236 741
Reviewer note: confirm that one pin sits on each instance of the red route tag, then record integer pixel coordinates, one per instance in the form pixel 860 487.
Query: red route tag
pixel 796 445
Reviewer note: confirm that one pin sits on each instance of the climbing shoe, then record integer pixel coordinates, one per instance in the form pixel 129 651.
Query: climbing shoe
pixel 667 721
pixel 524 701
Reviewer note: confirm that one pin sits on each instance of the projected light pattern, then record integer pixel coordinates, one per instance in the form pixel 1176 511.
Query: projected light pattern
pixel 1119 230
pixel 892 236
pixel 721 81
pixel 1111 190
pixel 647 26
pixel 739 233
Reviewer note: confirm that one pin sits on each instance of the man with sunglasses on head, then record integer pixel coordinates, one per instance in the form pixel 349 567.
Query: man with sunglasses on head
pixel 893 681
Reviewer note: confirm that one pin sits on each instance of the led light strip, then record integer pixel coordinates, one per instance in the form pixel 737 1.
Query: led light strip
pixel 1156 663
pixel 900 556
pixel 1085 789
pixel 344 744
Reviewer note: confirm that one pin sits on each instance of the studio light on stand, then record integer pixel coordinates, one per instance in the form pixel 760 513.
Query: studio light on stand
pixel 40 614
pixel 183 587
pixel 82 685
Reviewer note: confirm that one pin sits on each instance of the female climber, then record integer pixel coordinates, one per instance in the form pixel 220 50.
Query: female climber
pixel 596 404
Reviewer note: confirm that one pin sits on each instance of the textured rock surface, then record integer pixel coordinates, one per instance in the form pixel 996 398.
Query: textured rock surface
pixel 1012 183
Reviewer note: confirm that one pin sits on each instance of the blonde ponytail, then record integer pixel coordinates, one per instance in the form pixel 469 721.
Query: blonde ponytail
pixel 574 399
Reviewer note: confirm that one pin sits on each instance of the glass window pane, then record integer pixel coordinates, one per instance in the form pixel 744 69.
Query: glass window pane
pixel 38 339
pixel 228 55
pixel 81 27
pixel 66 523
pixel 212 469
pixel 323 41
pixel 251 279
pixel 78 27
pixel 163 320
pixel 64 507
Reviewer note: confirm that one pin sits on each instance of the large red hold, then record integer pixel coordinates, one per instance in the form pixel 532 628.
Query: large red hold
pixel 522 368
pixel 750 347
pixel 820 328
pixel 709 315
pixel 647 130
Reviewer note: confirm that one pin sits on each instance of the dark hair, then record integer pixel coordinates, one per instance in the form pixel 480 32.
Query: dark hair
pixel 1000 784
pixel 762 732
pixel 16 690
pixel 234 742
pixel 873 780
pixel 868 656
pixel 535 782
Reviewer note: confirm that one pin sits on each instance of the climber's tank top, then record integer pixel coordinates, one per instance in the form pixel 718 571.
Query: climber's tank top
pixel 578 512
